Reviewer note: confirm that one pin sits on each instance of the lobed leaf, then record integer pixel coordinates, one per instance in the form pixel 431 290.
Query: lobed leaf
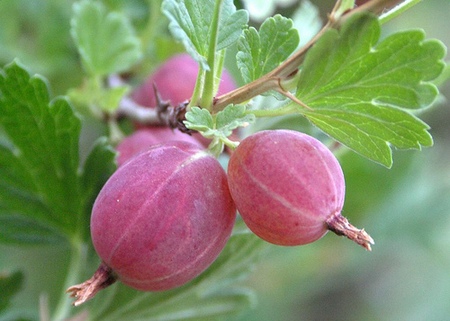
pixel 42 197
pixel 231 24
pixel 38 172
pixel 360 91
pixel 190 23
pixel 232 117
pixel 199 119
pixel 261 52
pixel 106 41
pixel 370 131
pixel 222 124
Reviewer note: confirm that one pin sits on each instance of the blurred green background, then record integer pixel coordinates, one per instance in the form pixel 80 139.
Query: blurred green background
pixel 406 209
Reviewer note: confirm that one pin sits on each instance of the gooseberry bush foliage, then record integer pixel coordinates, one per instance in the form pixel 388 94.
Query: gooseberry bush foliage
pixel 354 90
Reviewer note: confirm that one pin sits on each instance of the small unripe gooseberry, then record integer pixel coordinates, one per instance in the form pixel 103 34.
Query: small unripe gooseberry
pixel 160 220
pixel 289 188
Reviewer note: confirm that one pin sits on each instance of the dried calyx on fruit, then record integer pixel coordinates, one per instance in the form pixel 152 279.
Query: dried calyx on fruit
pixel 159 221
pixel 289 189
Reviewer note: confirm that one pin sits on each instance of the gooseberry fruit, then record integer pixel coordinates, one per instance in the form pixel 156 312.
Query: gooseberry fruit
pixel 160 220
pixel 144 138
pixel 289 188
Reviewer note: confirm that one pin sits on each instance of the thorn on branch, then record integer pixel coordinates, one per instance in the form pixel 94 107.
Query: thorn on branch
pixel 162 106
pixel 289 95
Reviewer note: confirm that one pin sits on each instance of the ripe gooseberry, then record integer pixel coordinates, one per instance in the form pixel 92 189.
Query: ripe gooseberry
pixel 289 188
pixel 159 221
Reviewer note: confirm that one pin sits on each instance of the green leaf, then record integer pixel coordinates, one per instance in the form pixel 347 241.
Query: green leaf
pixel 93 99
pixel 10 284
pixel 43 196
pixel 360 91
pixel 190 23
pixel 219 126
pixel 231 24
pixel 38 172
pixel 443 77
pixel 261 52
pixel 232 117
pixel 370 129
pixel 112 96
pixel 222 124
pixel 199 119
pixel 106 41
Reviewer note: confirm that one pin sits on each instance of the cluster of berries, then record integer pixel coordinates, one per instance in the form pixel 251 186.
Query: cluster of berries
pixel 167 212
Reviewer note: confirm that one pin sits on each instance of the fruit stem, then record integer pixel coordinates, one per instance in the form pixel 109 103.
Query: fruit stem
pixel 102 278
pixel 341 226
